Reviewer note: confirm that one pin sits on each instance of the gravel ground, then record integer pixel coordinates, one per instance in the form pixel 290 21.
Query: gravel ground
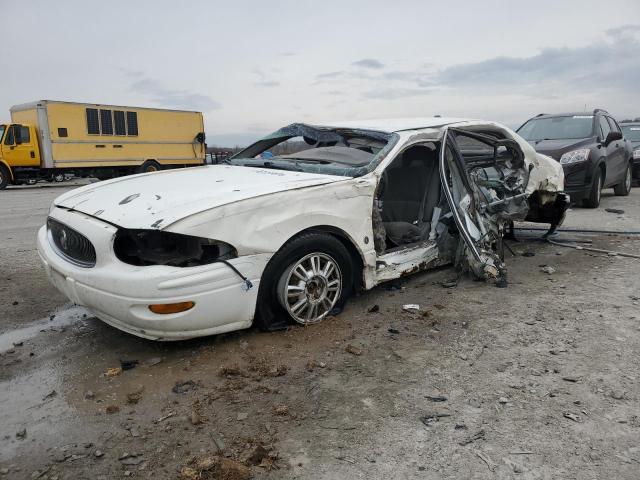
pixel 538 380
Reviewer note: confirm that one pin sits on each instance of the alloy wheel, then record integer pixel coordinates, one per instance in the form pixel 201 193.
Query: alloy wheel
pixel 310 287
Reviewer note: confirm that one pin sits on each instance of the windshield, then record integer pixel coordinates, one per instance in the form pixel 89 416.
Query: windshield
pixel 306 148
pixel 557 128
pixel 631 132
pixel 2 127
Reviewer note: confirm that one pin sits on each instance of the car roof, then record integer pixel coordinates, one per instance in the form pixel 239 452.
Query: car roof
pixel 394 124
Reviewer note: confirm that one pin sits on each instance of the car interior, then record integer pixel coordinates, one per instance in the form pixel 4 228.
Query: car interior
pixel 408 193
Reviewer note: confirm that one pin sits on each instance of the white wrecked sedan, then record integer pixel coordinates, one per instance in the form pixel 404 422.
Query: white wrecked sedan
pixel 289 227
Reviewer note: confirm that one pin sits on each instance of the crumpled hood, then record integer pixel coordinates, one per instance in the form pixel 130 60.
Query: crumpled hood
pixel 155 200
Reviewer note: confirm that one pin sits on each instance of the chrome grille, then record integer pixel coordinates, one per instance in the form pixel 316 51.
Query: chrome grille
pixel 71 245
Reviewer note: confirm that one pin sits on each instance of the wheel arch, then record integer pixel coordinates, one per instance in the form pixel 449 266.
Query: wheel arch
pixel 346 240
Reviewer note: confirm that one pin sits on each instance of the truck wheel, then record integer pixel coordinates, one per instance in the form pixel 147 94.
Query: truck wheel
pixel 624 188
pixel 305 281
pixel 4 177
pixel 149 166
pixel 593 200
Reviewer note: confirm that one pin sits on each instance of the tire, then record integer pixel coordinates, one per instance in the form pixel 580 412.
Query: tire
pixel 148 167
pixel 58 177
pixel 4 177
pixel 624 188
pixel 593 200
pixel 286 298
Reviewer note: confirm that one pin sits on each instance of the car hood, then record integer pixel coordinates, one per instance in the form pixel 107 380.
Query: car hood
pixel 156 200
pixel 556 148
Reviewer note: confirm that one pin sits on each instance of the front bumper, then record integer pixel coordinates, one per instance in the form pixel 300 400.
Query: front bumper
pixel 577 180
pixel 119 294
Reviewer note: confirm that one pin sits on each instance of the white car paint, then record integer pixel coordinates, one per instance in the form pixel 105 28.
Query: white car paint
pixel 256 210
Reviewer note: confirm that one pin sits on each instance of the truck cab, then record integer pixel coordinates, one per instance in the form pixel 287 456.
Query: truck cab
pixel 18 148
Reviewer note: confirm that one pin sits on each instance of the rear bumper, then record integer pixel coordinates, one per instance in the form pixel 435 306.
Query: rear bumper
pixel 120 294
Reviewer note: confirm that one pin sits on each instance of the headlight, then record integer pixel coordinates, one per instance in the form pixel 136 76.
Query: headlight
pixel 636 154
pixel 575 156
pixel 154 247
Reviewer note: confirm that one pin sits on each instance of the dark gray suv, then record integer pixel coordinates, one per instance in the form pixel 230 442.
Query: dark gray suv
pixel 591 148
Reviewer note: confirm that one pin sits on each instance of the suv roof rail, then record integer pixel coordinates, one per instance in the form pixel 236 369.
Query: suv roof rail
pixel 626 120
pixel 596 110
pixel 540 114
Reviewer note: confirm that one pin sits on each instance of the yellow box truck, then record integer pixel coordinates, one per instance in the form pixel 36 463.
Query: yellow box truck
pixel 48 139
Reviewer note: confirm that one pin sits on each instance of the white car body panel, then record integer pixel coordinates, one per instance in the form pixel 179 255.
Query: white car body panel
pixel 255 210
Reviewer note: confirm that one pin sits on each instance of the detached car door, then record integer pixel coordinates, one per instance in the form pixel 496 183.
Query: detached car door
pixel 485 189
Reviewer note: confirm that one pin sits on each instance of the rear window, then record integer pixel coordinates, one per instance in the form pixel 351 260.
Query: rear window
pixel 557 128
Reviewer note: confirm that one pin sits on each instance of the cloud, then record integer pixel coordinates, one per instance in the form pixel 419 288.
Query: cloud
pixel 610 64
pixel 166 97
pixel 395 93
pixel 368 63
pixel 328 75
pixel 263 80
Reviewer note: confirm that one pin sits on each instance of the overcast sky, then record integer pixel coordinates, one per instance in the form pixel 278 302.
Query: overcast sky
pixel 253 66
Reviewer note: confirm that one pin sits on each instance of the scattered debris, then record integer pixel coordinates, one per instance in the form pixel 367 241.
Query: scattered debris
pixel 184 387
pixel 374 309
pixel 134 397
pixel 21 434
pixel 131 459
pixel 242 416
pixel 449 283
pixel 98 453
pixel 436 398
pixel 528 254
pixel 232 371
pixel 352 349
pixel 571 379
pixel 89 395
pixel 113 372
pixel 214 467
pixel 112 409
pixel 164 417
pixel 548 269
pixel 195 418
pixel 18 344
pixel 281 410
pixel 128 364
pixel 50 395
pixel 433 417
pixel 572 416
pixel 479 435
pixel 483 456
pixel 393 331
pixel 152 361
pixel 411 307
pixel 614 210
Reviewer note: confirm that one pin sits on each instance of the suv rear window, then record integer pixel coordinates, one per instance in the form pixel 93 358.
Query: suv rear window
pixel 557 128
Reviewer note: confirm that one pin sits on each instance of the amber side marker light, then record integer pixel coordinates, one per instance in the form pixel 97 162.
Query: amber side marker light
pixel 165 308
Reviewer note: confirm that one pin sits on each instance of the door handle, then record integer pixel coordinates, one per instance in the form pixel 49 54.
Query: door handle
pixel 32 153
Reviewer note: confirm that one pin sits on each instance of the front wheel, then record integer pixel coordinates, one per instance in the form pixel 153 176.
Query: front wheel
pixel 593 200
pixel 4 177
pixel 305 281
pixel 624 188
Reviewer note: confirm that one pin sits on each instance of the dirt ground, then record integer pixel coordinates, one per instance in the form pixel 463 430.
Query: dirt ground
pixel 539 380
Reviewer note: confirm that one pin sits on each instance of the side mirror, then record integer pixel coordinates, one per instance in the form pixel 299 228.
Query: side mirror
pixel 612 137
pixel 17 134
